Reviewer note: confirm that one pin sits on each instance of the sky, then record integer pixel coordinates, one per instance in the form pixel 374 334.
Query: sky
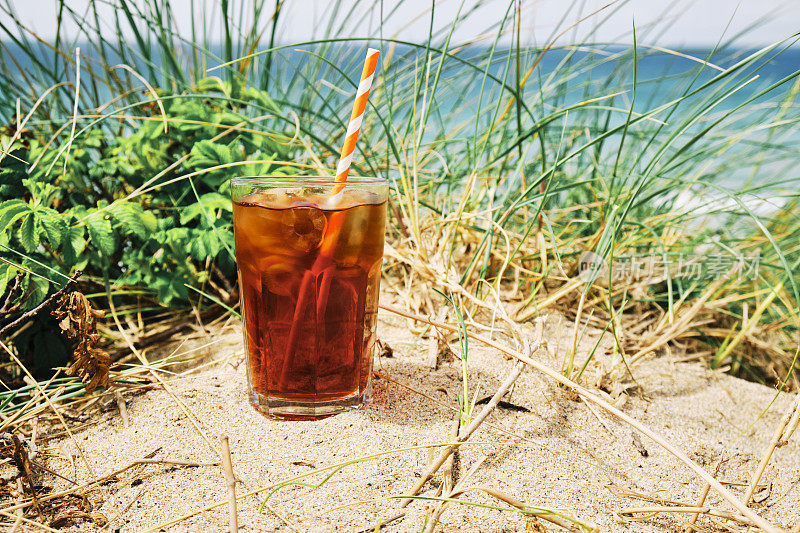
pixel 677 23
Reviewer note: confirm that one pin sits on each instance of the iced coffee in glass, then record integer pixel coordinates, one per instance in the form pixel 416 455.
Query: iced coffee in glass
pixel 309 253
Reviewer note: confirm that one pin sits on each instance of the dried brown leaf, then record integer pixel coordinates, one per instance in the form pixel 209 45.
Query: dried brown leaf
pixel 77 318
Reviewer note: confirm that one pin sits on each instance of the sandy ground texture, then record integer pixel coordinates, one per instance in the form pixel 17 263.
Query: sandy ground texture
pixel 558 455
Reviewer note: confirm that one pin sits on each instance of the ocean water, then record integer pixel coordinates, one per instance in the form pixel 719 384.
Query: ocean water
pixel 466 89
pixel 659 74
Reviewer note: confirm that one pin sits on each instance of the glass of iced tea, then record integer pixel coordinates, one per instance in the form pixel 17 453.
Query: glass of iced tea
pixel 309 253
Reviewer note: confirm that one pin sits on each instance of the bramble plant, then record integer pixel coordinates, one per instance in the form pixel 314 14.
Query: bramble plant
pixel 92 209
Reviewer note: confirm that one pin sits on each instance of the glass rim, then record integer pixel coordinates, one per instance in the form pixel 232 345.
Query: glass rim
pixel 307 180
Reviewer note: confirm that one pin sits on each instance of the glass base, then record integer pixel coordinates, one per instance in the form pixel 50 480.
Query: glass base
pixel 280 409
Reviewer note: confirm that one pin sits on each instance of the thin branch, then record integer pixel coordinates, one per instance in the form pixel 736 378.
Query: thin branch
pixel 779 437
pixel 466 433
pixel 36 310
pixel 230 478
pixel 710 511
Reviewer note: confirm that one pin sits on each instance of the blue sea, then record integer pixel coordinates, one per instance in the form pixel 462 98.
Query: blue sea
pixel 660 75
pixel 564 77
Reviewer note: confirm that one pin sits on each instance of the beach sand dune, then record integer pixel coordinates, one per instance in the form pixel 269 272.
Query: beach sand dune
pixel 555 454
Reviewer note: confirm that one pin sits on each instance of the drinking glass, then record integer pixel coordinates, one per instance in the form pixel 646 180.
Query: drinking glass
pixel 309 253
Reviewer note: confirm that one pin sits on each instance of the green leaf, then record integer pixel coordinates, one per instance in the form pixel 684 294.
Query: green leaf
pixel 197 249
pixel 163 289
pixel 129 215
pixel 74 244
pixel 14 163
pixel 10 211
pixel 209 202
pixel 190 212
pixel 152 129
pixel 55 228
pixel 7 273
pixel 101 234
pixel 207 153
pixel 150 221
pixel 36 291
pixel 210 243
pixel 176 235
pixel 27 233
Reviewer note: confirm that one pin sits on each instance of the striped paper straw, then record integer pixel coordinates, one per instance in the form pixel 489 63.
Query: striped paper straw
pixel 370 63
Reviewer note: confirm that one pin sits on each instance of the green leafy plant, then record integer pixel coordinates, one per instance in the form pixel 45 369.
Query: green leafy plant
pixel 101 212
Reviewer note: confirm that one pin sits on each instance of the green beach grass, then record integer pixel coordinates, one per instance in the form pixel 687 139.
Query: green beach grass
pixel 508 163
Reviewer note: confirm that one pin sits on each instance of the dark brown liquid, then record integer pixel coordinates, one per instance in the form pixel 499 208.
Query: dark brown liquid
pixel 309 281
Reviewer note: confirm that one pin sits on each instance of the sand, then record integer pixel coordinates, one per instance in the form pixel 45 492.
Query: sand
pixel 559 455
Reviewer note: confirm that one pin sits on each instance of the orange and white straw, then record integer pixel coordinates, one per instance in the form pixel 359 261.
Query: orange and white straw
pixel 370 63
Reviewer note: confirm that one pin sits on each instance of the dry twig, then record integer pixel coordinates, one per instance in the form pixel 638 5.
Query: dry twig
pixel 124 509
pixel 80 489
pixel 580 390
pixel 559 518
pixel 38 309
pixel 51 405
pixel 783 432
pixel 19 512
pixel 702 500
pixel 230 479
pixel 466 433
pixel 687 509
pixel 35 524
